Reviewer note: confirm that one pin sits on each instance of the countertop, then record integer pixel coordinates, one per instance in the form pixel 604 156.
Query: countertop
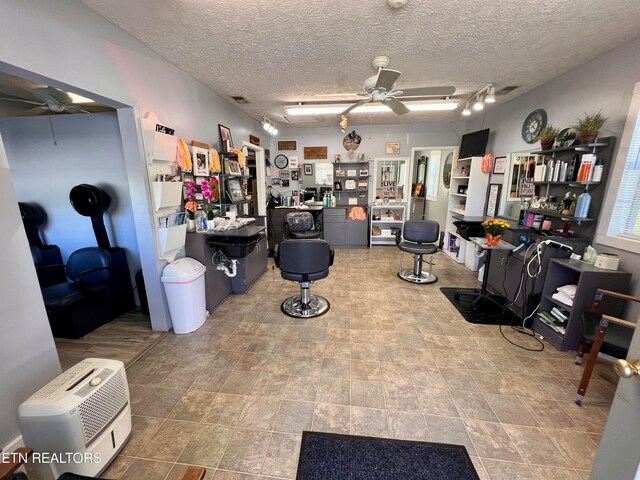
pixel 247 231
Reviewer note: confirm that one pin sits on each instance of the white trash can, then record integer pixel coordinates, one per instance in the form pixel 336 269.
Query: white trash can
pixel 184 285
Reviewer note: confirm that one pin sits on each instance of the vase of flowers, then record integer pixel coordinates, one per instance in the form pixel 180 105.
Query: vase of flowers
pixel 208 196
pixel 191 206
pixel 494 228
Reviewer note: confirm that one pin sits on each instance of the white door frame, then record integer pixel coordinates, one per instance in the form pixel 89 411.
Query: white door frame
pixel 411 164
pixel 261 179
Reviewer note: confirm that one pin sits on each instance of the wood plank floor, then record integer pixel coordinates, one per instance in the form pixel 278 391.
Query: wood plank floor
pixel 126 338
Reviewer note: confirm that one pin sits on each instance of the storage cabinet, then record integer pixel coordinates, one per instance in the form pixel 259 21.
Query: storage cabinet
pixel 565 271
pixel 340 231
pixel 251 268
pixel 386 218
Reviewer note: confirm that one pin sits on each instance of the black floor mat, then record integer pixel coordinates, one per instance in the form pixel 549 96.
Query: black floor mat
pixel 329 456
pixel 487 313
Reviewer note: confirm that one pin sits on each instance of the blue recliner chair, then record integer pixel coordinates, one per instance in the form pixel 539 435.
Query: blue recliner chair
pixel 79 306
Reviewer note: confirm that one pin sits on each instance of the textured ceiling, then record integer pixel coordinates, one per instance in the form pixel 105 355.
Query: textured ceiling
pixel 276 53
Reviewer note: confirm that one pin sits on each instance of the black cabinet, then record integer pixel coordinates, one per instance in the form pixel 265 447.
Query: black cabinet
pixel 251 268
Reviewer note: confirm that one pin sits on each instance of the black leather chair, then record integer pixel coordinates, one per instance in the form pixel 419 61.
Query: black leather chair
pixel 77 307
pixel 304 261
pixel 301 225
pixel 419 238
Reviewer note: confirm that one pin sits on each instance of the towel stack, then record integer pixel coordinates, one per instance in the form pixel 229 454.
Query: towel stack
pixel 565 294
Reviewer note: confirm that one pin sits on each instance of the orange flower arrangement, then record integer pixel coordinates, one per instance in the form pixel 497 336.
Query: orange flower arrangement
pixel 494 228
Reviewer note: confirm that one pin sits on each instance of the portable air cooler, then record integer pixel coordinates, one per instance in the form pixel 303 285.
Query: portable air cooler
pixel 78 421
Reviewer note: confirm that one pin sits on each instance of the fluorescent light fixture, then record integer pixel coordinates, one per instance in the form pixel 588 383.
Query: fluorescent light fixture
pixel 491 95
pixel 466 111
pixel 319 109
pixel 75 98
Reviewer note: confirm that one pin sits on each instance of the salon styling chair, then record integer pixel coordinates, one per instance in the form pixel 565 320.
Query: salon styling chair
pixel 301 226
pixel 419 238
pixel 80 305
pixel 303 262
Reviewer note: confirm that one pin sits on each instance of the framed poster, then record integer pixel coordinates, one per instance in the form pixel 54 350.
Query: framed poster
pixel 492 199
pixel 293 162
pixel 392 148
pixel 200 161
pixel 315 153
pixel 389 189
pixel 527 188
pixel 295 175
pixel 226 142
pixel 308 169
pixel 350 185
pixel 499 165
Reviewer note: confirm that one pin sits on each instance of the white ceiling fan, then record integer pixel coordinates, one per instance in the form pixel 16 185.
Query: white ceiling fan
pixel 51 100
pixel 381 88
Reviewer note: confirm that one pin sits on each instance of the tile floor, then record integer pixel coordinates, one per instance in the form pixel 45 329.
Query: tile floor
pixel 390 359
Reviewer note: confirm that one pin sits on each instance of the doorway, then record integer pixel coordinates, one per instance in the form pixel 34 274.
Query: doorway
pixel 54 141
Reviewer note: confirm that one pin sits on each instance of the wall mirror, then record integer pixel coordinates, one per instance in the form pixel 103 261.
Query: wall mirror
pixel 321 176
pixel 394 170
pixel 521 165
pixel 446 171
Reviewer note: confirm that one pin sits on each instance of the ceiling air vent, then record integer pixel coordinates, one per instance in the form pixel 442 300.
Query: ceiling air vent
pixel 242 100
pixel 506 90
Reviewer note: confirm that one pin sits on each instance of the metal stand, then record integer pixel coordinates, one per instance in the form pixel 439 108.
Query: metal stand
pixel 482 295
pixel 417 275
pixel 305 305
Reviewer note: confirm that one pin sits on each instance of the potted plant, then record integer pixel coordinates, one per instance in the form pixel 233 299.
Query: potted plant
pixel 494 228
pixel 208 195
pixel 589 126
pixel 191 206
pixel 548 136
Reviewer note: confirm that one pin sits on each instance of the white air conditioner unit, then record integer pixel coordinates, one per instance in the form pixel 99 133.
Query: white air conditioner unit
pixel 79 421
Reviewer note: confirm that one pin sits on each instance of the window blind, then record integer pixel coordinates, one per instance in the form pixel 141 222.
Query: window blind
pixel 625 221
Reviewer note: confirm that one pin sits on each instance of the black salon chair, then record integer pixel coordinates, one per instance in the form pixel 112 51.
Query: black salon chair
pixel 419 238
pixel 304 261
pixel 77 307
pixel 301 226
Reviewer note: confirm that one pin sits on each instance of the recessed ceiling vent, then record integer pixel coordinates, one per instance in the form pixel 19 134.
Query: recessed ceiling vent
pixel 241 100
pixel 507 90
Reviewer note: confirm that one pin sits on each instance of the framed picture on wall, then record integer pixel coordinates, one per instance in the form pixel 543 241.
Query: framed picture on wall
pixel 200 161
pixel 337 186
pixel 295 175
pixel 493 197
pixel 308 169
pixel 226 142
pixel 499 165
pixel 392 148
pixel 285 182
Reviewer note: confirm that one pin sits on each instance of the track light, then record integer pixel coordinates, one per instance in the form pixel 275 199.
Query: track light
pixel 269 126
pixel 476 101
pixel 491 95
pixel 478 105
pixel 344 124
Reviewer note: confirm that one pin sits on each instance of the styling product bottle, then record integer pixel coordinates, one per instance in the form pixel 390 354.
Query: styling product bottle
pixel 582 208
pixel 333 201
pixel 597 170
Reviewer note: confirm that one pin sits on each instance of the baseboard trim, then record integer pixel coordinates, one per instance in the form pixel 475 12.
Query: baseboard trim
pixel 15 443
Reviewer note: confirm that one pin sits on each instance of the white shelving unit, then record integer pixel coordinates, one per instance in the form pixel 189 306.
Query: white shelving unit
pixel 385 224
pixel 466 172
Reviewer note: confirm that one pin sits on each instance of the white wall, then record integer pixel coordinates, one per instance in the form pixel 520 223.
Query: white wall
pixel 373 140
pixel 605 83
pixel 88 150
pixel 28 357
pixel 72 47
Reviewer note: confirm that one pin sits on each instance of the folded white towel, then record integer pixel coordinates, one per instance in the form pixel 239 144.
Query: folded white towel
pixel 569 290
pixel 563 298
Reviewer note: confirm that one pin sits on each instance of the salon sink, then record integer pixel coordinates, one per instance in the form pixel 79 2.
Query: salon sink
pixel 234 246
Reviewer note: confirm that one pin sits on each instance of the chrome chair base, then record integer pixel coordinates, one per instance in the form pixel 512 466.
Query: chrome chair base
pixel 294 307
pixel 422 278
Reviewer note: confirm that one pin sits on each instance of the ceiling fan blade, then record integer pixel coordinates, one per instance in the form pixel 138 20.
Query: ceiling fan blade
pixel 396 106
pixel 387 79
pixel 428 91
pixel 75 109
pixel 15 99
pixel 35 111
pixel 355 105
pixel 63 98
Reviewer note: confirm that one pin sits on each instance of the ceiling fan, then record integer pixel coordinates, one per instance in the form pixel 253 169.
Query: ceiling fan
pixel 52 100
pixel 381 88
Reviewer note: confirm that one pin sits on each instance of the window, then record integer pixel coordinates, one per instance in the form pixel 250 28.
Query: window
pixel 622 230
pixel 433 175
